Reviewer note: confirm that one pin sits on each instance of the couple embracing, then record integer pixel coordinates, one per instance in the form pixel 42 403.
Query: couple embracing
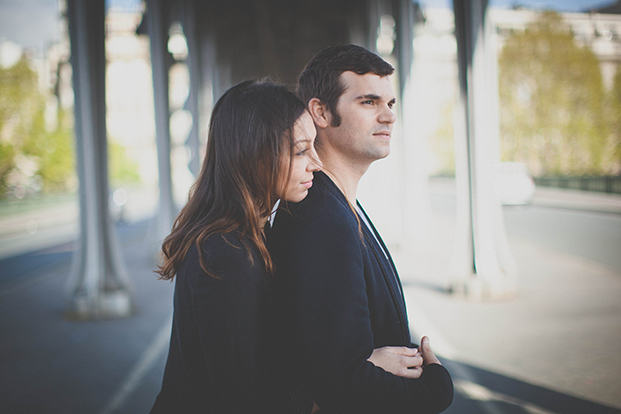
pixel 286 298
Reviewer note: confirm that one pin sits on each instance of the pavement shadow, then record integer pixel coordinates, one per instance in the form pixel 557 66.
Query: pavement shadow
pixel 482 391
pixel 21 270
pixel 421 284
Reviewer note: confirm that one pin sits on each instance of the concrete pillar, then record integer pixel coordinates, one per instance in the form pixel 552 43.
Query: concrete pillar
pixel 404 22
pixel 413 151
pixel 99 287
pixel 192 104
pixel 157 27
pixel 209 84
pixel 482 266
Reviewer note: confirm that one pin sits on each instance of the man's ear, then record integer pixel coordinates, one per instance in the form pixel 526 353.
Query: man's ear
pixel 321 116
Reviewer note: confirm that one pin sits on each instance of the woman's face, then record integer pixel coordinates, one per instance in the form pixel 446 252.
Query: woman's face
pixel 305 161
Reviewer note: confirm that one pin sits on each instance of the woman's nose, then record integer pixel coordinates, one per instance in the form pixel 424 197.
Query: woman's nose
pixel 314 163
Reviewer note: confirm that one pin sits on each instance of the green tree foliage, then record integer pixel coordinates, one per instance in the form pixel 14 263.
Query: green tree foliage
pixel 122 169
pixel 442 143
pixel 615 98
pixel 552 101
pixel 26 139
pixel 58 160
pixel 7 155
pixel 17 87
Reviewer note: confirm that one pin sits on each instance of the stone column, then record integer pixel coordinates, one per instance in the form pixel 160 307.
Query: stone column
pixel 482 266
pixel 193 104
pixel 413 152
pixel 157 27
pixel 99 287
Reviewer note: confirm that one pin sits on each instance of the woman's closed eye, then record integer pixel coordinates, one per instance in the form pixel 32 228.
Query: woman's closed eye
pixel 303 151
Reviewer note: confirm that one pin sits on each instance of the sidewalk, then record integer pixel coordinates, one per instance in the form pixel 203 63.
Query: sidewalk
pixel 51 365
pixel 577 200
pixel 556 348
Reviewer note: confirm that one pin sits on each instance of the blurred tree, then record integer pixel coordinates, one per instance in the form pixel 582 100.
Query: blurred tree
pixel 17 85
pixel 615 115
pixel 33 156
pixel 57 162
pixel 552 101
pixel 442 144
pixel 7 156
pixel 122 168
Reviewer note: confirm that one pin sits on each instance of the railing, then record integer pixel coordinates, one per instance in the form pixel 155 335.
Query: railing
pixel 604 184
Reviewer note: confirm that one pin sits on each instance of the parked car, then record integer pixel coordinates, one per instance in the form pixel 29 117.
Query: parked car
pixel 515 184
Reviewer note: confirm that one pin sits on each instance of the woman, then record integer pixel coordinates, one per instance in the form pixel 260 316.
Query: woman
pixel 260 149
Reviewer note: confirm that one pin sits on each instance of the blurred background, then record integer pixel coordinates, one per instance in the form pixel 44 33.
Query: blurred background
pixel 507 240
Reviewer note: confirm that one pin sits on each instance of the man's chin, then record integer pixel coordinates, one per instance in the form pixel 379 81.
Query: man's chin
pixel 383 154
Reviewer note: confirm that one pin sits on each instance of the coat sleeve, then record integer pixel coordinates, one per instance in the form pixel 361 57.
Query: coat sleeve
pixel 325 276
pixel 227 314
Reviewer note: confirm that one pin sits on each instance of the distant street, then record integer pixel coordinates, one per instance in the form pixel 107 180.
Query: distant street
pixel 591 235
pixel 583 224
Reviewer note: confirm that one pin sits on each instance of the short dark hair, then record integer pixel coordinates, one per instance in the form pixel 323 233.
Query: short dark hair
pixel 320 78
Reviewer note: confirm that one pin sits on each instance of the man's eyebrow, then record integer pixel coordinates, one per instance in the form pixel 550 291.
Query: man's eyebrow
pixel 374 97
pixel 369 96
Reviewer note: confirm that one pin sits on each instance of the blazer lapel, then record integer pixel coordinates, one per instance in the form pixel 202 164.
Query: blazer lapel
pixel 389 270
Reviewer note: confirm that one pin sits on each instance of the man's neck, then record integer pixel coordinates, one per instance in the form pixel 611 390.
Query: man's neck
pixel 345 173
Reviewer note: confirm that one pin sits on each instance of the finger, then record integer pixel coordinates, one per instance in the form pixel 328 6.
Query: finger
pixel 424 343
pixel 417 361
pixel 411 372
pixel 428 356
pixel 412 361
pixel 409 351
pixel 402 350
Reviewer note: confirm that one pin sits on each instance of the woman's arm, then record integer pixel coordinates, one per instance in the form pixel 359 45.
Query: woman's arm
pixel 227 313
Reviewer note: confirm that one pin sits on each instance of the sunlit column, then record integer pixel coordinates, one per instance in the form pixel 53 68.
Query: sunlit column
pixel 192 105
pixel 482 267
pixel 417 209
pixel 99 287
pixel 157 26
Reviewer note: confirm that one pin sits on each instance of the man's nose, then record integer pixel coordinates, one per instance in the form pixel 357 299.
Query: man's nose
pixel 387 116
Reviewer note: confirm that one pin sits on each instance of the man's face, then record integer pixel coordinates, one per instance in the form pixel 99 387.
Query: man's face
pixel 367 118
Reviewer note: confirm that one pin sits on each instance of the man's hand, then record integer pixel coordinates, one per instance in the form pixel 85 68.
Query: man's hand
pixel 399 360
pixel 428 356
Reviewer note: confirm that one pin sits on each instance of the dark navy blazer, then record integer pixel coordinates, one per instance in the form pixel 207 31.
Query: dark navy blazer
pixel 340 297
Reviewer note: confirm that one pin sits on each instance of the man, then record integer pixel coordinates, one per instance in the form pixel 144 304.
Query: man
pixel 338 291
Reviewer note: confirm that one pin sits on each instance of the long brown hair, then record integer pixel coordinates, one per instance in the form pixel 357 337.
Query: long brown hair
pixel 251 130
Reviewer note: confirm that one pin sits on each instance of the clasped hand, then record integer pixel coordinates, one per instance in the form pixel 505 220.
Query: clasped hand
pixel 403 361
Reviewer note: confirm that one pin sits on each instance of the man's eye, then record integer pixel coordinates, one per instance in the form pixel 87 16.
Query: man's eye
pixel 369 102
